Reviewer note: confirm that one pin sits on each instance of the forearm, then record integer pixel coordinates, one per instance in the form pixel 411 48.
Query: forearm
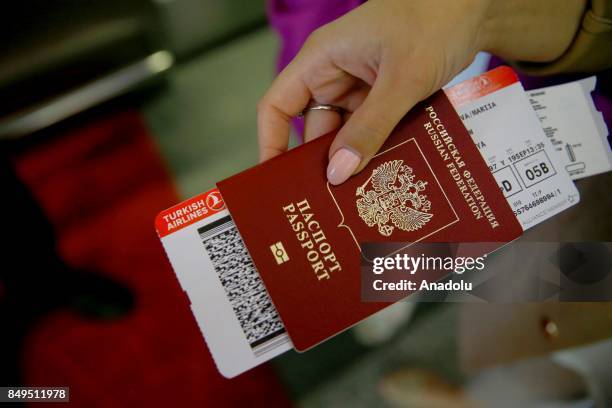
pixel 528 30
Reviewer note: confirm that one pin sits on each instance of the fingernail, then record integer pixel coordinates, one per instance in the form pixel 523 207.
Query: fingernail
pixel 342 165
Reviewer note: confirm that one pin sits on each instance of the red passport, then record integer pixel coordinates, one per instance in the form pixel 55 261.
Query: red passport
pixel 428 183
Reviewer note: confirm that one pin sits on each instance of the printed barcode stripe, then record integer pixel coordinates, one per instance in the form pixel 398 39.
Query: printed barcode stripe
pixel 250 301
pixel 216 227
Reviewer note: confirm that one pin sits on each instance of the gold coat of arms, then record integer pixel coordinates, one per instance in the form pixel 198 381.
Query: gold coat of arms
pixel 394 200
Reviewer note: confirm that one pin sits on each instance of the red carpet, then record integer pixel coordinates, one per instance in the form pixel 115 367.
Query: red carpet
pixel 101 186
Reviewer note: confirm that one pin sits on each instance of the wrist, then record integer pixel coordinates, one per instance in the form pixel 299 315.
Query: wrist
pixel 527 30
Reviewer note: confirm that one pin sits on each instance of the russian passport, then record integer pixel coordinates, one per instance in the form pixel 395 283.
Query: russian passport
pixel 270 259
pixel 427 183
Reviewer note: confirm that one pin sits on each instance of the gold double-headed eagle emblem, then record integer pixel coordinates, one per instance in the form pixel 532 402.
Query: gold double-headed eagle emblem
pixel 395 199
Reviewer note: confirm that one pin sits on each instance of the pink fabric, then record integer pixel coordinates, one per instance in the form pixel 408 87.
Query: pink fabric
pixel 294 20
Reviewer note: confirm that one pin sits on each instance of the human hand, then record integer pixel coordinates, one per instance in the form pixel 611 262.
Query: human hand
pixel 382 58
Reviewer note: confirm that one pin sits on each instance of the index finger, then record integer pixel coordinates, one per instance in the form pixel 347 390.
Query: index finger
pixel 286 98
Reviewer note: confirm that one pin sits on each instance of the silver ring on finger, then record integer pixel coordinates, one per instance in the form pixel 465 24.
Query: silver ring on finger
pixel 321 106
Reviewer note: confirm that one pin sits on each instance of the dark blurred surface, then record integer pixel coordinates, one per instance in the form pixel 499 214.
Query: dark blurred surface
pixel 56 46
pixel 34 286
pixel 67 56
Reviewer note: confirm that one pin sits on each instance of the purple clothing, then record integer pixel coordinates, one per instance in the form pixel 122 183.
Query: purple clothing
pixel 294 20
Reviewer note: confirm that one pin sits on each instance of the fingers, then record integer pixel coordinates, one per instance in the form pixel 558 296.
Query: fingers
pixel 287 96
pixel 320 122
pixel 369 126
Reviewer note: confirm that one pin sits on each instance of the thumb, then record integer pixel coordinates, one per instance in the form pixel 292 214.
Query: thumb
pixel 363 134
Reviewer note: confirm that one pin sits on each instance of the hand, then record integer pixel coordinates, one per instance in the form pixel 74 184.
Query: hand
pixel 385 56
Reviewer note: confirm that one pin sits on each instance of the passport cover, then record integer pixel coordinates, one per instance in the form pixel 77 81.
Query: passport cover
pixel 428 183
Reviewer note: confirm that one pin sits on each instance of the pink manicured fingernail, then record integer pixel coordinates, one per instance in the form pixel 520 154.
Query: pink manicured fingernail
pixel 342 165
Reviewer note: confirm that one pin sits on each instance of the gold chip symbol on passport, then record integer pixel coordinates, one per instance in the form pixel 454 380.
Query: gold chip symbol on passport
pixel 278 250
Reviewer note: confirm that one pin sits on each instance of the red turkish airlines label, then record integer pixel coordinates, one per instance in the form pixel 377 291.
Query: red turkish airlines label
pixel 481 85
pixel 188 212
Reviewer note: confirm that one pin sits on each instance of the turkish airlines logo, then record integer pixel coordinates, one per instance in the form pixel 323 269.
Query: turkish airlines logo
pixel 214 201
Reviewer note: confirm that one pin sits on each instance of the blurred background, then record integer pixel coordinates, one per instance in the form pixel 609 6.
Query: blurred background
pixel 110 112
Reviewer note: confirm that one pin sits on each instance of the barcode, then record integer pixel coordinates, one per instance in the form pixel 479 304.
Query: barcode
pixel 253 307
